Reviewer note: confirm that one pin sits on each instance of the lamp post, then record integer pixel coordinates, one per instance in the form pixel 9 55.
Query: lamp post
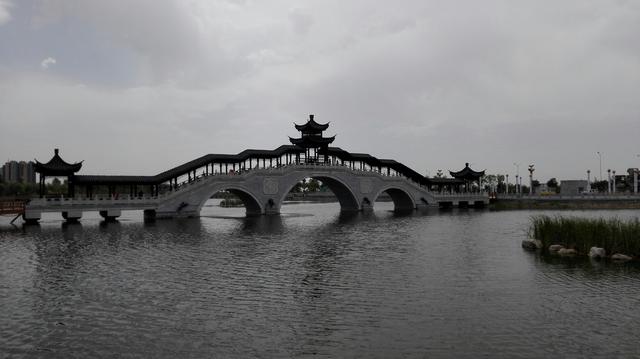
pixel 609 181
pixel 588 181
pixel 613 185
pixel 506 191
pixel 531 169
pixel 517 175
pixel 635 179
pixel 600 157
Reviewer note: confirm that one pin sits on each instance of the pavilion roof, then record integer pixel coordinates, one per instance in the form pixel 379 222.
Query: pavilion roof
pixel 57 166
pixel 312 141
pixel 467 173
pixel 311 126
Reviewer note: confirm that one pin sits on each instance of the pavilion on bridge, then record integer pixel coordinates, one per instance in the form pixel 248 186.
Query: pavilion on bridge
pixel 57 167
pixel 312 147
pixel 468 177
pixel 316 146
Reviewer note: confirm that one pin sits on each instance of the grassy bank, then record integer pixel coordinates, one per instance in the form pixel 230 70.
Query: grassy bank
pixel 614 235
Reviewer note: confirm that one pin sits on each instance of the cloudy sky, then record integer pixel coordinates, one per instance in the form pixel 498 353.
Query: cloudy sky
pixel 136 87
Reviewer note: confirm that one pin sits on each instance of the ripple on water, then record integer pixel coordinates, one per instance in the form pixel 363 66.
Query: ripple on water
pixel 311 282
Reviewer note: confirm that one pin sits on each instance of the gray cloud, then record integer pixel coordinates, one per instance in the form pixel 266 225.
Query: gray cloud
pixel 47 62
pixel 433 84
pixel 5 14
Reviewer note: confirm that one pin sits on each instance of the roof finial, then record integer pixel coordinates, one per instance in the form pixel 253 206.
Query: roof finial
pixel 310 117
pixel 56 151
pixel 466 164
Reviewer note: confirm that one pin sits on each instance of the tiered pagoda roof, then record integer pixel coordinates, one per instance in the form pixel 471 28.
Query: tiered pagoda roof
pixel 312 135
pixel 57 166
pixel 467 173
pixel 312 126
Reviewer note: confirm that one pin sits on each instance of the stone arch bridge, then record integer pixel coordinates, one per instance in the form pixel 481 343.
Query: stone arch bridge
pixel 260 178
pixel 263 190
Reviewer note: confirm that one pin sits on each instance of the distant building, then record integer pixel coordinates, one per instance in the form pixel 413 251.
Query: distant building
pixel 14 171
pixel 572 187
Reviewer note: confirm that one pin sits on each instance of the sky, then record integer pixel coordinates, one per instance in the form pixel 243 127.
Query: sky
pixel 140 86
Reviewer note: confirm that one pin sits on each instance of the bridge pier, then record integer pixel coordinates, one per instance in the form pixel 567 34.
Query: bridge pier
pixel 366 206
pixel 110 215
pixel 31 216
pixel 72 216
pixel 149 215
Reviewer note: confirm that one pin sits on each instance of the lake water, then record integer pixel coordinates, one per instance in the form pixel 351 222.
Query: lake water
pixel 309 283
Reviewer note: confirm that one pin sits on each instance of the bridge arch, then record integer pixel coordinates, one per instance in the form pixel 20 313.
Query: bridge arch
pixel 402 200
pixel 250 201
pixel 345 195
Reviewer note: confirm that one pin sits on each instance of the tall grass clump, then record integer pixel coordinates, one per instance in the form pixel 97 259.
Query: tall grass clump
pixel 614 235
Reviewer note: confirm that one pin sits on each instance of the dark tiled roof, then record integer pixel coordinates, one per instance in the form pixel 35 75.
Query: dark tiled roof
pixel 190 166
pixel 253 154
pixel 312 141
pixel 312 126
pixel 467 173
pixel 57 166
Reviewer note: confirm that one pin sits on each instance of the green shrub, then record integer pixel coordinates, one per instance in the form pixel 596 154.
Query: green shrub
pixel 614 235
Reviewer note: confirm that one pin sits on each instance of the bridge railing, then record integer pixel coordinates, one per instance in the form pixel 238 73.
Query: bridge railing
pixel 83 201
pixel 460 194
pixel 12 206
pixel 314 165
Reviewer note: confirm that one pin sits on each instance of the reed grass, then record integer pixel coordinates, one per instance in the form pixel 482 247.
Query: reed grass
pixel 614 235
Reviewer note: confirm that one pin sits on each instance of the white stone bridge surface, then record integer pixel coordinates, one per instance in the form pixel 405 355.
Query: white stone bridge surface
pixel 263 190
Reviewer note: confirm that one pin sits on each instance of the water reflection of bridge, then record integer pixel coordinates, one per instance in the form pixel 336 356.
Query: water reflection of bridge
pixel 260 178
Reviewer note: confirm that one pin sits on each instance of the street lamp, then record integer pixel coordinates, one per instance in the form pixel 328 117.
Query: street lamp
pixel 635 179
pixel 600 157
pixel 507 189
pixel 588 181
pixel 531 169
pixel 517 175
pixel 609 181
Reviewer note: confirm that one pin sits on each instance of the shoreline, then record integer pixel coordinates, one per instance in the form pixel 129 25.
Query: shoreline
pixel 565 204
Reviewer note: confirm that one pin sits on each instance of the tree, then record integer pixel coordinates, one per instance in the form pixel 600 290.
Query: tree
pixel 600 186
pixel 535 184
pixel 313 185
pixel 552 183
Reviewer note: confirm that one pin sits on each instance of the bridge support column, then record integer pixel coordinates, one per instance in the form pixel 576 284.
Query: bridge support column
pixel 31 216
pixel 365 207
pixel 423 204
pixel 110 214
pixel 149 215
pixel 72 216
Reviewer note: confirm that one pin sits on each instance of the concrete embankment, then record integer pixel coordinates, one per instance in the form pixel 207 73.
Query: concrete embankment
pixel 574 202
